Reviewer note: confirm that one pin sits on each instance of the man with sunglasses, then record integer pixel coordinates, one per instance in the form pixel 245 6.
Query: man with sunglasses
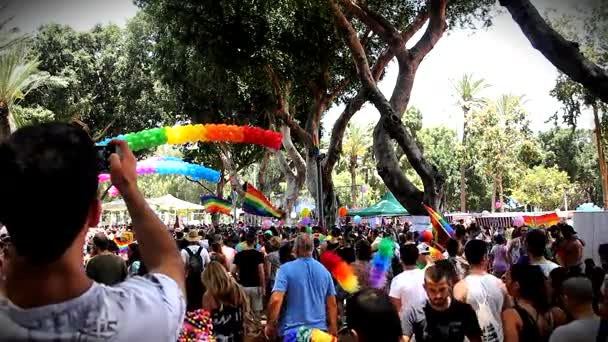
pixel 49 183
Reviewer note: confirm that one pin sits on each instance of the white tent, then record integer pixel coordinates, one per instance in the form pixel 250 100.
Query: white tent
pixel 118 205
pixel 171 203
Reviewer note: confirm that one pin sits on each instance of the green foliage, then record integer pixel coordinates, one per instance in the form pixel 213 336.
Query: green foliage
pixel 497 133
pixel 542 188
pixel 467 91
pixel 574 152
pixel 590 31
pixel 109 75
pixel 31 115
pixel 20 75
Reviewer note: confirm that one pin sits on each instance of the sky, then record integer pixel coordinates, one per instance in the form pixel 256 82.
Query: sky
pixel 500 54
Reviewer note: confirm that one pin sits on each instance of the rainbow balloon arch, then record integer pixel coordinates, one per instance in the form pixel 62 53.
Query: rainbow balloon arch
pixel 176 135
pixel 204 133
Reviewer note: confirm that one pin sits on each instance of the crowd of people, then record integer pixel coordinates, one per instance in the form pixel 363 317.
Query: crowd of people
pixel 64 279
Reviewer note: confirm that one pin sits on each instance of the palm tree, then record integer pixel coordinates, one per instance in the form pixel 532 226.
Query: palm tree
pixel 355 146
pixel 467 90
pixel 19 75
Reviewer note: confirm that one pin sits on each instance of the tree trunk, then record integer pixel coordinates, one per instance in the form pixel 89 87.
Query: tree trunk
pixel 295 180
pixel 500 194
pixel 563 54
pixel 5 126
pixel 390 127
pixel 311 175
pixel 262 184
pixel 463 189
pixel 330 202
pixel 353 180
pixel 600 154
pixel 493 196
pixel 463 167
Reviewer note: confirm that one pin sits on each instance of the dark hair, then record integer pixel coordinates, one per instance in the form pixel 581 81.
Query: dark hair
pixel 363 250
pixel 475 250
pixel 536 242
pixel 51 160
pixel 101 242
pixel 135 253
pixel 409 254
pixel 285 253
pixel 460 231
pixel 369 309
pixel 532 287
pixel 250 238
pixel 499 239
pixel 437 272
pixel 452 247
pixel 448 267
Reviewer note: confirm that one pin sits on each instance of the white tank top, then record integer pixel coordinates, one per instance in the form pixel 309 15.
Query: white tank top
pixel 484 294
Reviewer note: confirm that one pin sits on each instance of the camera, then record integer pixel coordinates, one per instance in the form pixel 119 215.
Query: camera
pixel 103 157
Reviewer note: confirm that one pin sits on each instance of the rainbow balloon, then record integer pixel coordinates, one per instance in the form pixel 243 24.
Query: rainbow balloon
pixel 171 166
pixel 168 166
pixel 205 133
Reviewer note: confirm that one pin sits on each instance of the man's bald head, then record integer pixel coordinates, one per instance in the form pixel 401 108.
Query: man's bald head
pixel 578 290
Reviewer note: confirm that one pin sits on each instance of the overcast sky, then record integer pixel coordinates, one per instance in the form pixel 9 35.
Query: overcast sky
pixel 501 55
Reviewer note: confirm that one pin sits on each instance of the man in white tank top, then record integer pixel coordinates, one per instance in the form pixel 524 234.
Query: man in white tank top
pixel 483 291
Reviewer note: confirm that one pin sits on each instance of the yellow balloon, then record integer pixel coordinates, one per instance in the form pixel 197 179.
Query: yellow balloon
pixel 305 212
pixel 172 135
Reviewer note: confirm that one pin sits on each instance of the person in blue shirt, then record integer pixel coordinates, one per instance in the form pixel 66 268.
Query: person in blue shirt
pixel 305 290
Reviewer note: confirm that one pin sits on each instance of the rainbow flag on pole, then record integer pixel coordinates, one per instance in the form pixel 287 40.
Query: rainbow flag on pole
pixel 122 246
pixel 256 203
pixel 443 230
pixel 215 205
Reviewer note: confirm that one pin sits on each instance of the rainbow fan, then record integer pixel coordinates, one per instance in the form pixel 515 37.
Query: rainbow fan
pixel 341 271
pixel 381 263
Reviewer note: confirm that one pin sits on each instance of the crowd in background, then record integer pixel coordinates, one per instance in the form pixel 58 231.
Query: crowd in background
pixel 63 279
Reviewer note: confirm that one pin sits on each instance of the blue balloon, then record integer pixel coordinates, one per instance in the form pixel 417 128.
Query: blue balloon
pixel 357 219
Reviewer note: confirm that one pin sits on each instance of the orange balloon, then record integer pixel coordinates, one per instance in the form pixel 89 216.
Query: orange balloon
pixel 342 212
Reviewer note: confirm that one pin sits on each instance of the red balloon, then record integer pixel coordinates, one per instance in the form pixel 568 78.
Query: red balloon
pixel 342 212
pixel 426 236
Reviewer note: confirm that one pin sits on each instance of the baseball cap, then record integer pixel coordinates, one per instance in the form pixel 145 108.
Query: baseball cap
pixel 423 248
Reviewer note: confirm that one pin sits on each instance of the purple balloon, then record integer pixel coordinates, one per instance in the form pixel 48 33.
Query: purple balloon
pixel 305 221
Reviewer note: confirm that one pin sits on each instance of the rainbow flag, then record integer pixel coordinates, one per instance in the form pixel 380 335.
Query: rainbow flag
pixel 215 205
pixel 122 246
pixel 442 229
pixel 255 203
pixel 546 220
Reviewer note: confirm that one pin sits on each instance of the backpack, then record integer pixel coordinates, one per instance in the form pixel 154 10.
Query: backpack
pixel 194 285
pixel 195 262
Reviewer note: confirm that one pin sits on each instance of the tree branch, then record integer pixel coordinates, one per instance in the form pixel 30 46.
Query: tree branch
pixel 415 25
pixel 201 184
pixel 283 111
pixel 353 106
pixel 565 55
pixel 337 91
pixel 437 25
pixel 378 24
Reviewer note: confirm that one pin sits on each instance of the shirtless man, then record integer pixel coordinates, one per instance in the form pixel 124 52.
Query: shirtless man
pixel 570 250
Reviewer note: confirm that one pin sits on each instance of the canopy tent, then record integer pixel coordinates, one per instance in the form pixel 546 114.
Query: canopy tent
pixel 169 202
pixel 118 205
pixel 387 206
